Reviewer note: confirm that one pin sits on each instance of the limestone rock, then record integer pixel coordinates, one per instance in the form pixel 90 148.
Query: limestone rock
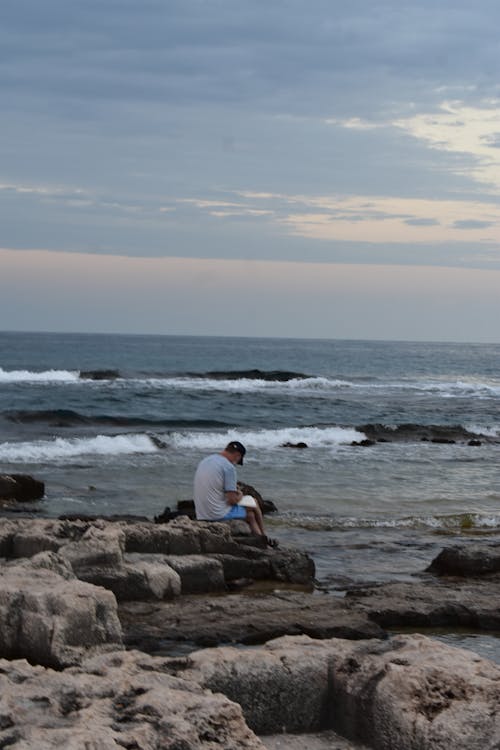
pixel 49 617
pixel 410 692
pixel 240 618
pixel 430 604
pixel 198 573
pixel 115 701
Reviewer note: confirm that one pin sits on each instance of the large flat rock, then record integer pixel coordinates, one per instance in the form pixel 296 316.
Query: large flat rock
pixel 242 618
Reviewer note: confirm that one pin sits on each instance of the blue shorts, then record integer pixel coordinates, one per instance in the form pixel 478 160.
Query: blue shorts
pixel 237 511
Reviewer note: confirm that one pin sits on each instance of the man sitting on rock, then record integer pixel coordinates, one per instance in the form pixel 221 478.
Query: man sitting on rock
pixel 216 494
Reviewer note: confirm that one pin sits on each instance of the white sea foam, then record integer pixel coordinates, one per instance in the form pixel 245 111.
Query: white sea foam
pixel 459 388
pixel 245 385
pixel 454 522
pixel 492 432
pixel 314 437
pixel 62 448
pixel 47 376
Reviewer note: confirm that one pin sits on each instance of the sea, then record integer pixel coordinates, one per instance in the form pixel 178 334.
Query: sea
pixel 376 454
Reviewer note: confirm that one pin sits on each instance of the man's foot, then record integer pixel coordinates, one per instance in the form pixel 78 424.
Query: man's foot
pixel 272 542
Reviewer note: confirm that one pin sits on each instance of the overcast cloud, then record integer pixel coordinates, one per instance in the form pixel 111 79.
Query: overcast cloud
pixel 361 132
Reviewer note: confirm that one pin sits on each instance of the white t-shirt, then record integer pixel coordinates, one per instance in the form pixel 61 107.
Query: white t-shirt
pixel 214 477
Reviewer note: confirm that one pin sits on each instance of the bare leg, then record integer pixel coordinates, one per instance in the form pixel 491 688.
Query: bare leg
pixel 255 520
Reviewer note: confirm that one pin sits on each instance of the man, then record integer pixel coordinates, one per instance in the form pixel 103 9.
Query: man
pixel 216 493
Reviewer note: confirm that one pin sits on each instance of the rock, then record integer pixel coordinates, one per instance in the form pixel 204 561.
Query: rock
pixel 476 560
pixel 431 604
pixel 134 560
pixel 99 548
pixel 8 487
pixel 21 487
pixel 180 537
pixel 148 579
pixel 327 740
pixel 245 619
pixel 198 573
pixel 416 693
pixel 409 692
pixel 299 445
pixel 122 700
pixel 49 617
pixel 99 374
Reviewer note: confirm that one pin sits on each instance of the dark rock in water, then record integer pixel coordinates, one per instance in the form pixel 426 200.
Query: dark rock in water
pixel 99 374
pixel 266 506
pixel 294 445
pixel 478 560
pixel 21 487
pixel 418 432
pixel 159 443
pixel 474 443
pixel 363 443
pixel 280 376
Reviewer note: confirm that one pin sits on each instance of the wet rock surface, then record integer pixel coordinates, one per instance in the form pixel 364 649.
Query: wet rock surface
pixel 241 618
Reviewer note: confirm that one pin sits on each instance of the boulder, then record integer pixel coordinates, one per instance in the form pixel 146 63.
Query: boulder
pixel 418 694
pixel 198 573
pixel 49 617
pixel 21 487
pixel 122 700
pixel 474 560
pixel 410 692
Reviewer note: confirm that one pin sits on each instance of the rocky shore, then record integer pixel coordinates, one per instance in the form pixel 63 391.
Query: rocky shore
pixel 102 622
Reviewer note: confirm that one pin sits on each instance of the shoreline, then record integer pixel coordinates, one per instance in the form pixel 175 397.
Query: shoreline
pixel 78 596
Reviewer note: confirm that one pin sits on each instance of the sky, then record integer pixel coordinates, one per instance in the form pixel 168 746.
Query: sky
pixel 297 168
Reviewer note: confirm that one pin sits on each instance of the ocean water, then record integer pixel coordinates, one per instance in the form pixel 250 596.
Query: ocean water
pixel 130 442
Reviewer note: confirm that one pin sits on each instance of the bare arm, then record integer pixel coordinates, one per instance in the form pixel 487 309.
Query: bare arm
pixel 233 498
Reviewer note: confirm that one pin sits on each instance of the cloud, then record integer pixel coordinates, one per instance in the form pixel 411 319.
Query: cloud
pixel 472 224
pixel 471 131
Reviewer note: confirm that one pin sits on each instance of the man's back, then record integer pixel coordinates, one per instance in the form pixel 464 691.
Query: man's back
pixel 214 477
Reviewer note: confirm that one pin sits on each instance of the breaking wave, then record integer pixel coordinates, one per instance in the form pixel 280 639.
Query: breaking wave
pixel 61 448
pixel 47 376
pixel 455 522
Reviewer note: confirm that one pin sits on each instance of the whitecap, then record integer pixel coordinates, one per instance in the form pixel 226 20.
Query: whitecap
pixel 313 437
pixel 63 448
pixel 46 376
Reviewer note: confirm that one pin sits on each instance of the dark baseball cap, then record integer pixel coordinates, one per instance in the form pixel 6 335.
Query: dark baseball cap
pixel 235 445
